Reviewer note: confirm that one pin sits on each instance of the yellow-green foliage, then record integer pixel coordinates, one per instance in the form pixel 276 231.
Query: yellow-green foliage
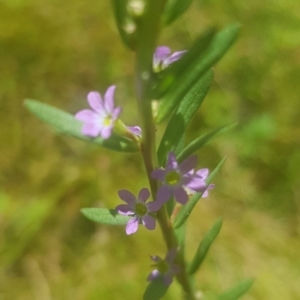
pixel 56 52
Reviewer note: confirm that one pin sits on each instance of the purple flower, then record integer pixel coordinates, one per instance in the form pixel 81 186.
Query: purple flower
pixel 165 268
pixel 177 177
pixel 100 120
pixel 162 57
pixel 136 130
pixel 202 174
pixel 138 209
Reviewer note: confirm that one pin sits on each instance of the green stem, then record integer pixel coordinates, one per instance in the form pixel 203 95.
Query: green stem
pixel 147 32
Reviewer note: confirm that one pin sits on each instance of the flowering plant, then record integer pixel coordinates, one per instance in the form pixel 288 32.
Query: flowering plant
pixel 178 84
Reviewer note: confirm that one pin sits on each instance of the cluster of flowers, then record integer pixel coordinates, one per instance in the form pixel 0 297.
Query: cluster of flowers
pixel 177 179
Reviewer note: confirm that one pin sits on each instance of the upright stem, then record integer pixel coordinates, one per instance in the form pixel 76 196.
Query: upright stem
pixel 147 33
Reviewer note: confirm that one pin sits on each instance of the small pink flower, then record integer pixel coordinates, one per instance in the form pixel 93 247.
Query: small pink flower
pixel 162 57
pixel 101 118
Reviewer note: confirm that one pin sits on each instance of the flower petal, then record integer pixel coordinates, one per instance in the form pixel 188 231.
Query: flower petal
pixel 115 113
pixel 163 194
pixel 188 164
pixel 153 275
pixel 95 101
pixel 160 54
pixel 109 99
pixel 154 206
pixel 106 132
pixel 202 173
pixel 148 222
pixel 91 129
pixel 172 58
pixel 172 163
pixel 205 194
pixel 125 209
pixel 128 197
pixel 86 115
pixel 197 184
pixel 158 174
pixel 180 195
pixel 144 194
pixel 132 226
pixel 135 130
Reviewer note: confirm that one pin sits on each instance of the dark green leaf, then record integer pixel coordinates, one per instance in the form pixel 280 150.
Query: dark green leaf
pixel 155 290
pixel 236 292
pixel 182 117
pixel 105 216
pixel 66 123
pixel 204 246
pixel 174 9
pixel 186 209
pixel 201 141
pixel 125 22
pixel 201 64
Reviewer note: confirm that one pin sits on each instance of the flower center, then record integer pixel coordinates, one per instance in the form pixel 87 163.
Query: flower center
pixel 140 209
pixel 107 121
pixel 173 178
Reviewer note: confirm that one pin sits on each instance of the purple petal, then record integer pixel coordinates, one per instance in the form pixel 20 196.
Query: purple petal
pixel 172 163
pixel 188 164
pixel 148 222
pixel 196 184
pixel 163 194
pixel 125 209
pixel 132 226
pixel 205 194
pixel 95 101
pixel 175 56
pixel 116 113
pixel 128 197
pixel 109 99
pixel 158 174
pixel 154 206
pixel 144 194
pixel 86 115
pixel 160 54
pixel 106 132
pixel 180 195
pixel 135 130
pixel 90 129
pixel 202 173
pixel 153 275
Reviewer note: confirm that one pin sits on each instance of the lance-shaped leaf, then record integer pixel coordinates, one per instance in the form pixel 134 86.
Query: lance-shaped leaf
pixel 201 141
pixel 66 123
pixel 238 291
pixel 174 9
pixel 182 117
pixel 204 246
pixel 105 216
pixel 170 77
pixel 216 49
pixel 125 22
pixel 186 209
pixel 155 290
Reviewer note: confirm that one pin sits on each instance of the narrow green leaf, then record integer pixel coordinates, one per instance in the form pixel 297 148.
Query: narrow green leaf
pixel 238 291
pixel 104 216
pixel 66 123
pixel 201 141
pixel 186 209
pixel 174 9
pixel 125 23
pixel 170 76
pixel 204 246
pixel 207 59
pixel 182 117
pixel 155 290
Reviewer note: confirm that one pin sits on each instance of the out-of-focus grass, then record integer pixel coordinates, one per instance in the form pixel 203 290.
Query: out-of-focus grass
pixel 57 52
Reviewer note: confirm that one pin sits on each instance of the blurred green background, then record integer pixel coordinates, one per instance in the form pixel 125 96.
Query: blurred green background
pixel 56 52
